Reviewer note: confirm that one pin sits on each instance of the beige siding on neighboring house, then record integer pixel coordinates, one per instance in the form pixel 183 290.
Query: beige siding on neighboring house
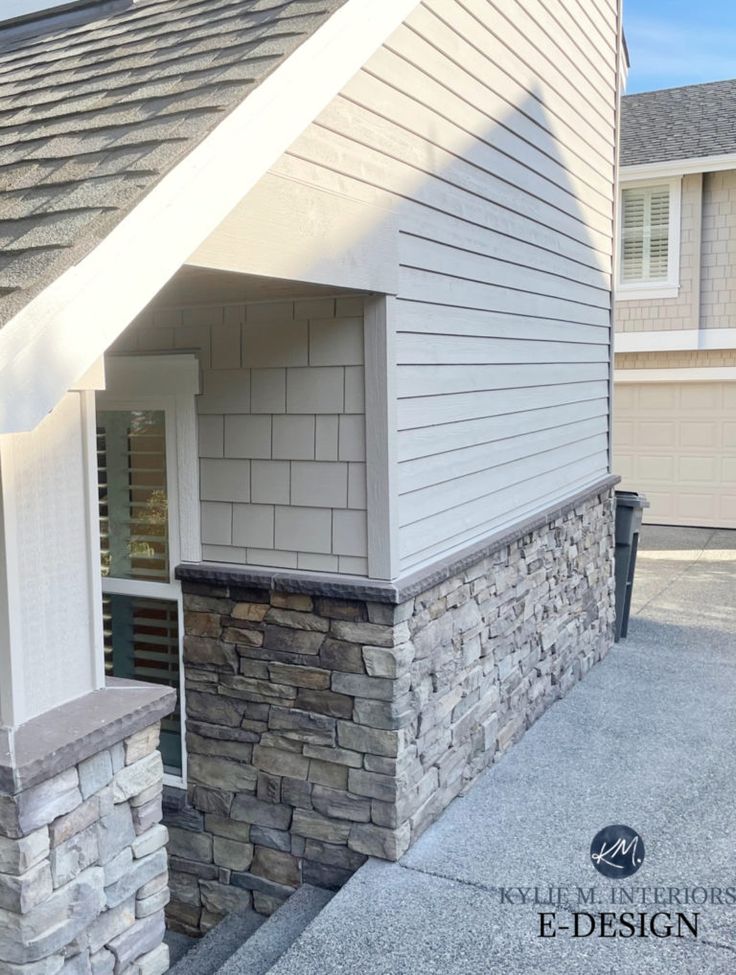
pixel 682 312
pixel 466 125
pixel 718 302
pixel 676 360
pixel 281 427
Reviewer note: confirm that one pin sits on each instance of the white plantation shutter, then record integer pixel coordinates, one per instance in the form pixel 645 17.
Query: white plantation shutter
pixel 645 229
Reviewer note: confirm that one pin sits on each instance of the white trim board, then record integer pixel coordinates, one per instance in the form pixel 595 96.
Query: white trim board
pixel 56 337
pixel 697 374
pixel 679 167
pixel 648 290
pixel 676 340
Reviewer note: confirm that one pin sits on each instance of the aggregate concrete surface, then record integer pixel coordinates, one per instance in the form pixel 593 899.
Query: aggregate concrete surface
pixel 645 740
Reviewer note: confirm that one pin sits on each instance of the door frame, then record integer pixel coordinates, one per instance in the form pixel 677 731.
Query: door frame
pixel 168 383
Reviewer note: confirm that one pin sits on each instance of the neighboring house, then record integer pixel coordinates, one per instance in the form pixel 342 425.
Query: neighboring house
pixel 305 376
pixel 675 398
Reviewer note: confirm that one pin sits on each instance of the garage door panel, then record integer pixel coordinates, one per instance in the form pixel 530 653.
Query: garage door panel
pixel 698 434
pixel 700 396
pixel 655 469
pixel 657 396
pixel 676 443
pixel 656 434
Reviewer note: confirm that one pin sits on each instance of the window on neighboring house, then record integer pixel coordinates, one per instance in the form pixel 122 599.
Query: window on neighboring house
pixel 648 253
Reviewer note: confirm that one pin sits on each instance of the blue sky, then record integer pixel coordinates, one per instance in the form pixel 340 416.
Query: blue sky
pixel 679 42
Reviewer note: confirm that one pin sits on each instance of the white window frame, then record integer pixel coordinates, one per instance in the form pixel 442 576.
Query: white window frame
pixel 167 383
pixel 646 290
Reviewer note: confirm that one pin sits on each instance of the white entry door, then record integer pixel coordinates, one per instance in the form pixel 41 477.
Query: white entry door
pixel 143 452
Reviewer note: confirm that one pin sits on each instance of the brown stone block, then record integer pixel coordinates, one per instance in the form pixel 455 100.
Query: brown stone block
pixel 324 702
pixel 299 676
pixel 277 866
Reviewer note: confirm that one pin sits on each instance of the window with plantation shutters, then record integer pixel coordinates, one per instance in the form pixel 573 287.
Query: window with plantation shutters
pixel 645 234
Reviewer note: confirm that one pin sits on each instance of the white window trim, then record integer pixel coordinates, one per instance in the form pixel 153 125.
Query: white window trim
pixel 168 383
pixel 643 290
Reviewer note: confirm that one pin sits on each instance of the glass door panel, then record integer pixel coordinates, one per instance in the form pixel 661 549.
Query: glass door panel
pixel 141 603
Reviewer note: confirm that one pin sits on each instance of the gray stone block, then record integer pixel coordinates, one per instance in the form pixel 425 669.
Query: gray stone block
pixel 21 894
pixel 42 803
pixel 337 804
pixel 109 925
pixel 374 841
pixel 221 773
pixel 102 963
pixel 133 779
pixel 94 773
pixel 155 962
pixel 19 855
pixel 74 855
pixel 360 738
pixel 143 936
pixel 191 846
pixel 248 809
pixel 118 866
pixel 115 832
pixel 142 871
pixel 147 815
pixel 150 841
pixel 145 906
pixel 54 923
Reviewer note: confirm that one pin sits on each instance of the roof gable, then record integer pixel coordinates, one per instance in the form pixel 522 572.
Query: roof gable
pixel 165 171
pixel 92 115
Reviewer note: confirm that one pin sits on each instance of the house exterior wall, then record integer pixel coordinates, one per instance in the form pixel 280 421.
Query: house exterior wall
pixel 682 312
pixel 53 630
pixel 707 298
pixel 465 126
pixel 718 301
pixel 322 730
pixel 281 428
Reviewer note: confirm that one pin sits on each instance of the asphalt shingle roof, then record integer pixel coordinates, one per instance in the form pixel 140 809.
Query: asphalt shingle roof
pixel 94 113
pixel 678 123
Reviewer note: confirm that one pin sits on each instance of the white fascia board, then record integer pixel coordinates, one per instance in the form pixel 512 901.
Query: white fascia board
pixel 660 341
pixel 696 374
pixel 55 339
pixel 686 339
pixel 678 167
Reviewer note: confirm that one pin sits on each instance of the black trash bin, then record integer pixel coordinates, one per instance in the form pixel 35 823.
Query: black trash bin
pixel 629 509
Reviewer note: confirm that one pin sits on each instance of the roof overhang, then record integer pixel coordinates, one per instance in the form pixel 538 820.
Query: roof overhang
pixel 58 335
pixel 678 167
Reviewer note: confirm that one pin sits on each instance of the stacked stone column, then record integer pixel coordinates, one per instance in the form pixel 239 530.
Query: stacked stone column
pixel 83 871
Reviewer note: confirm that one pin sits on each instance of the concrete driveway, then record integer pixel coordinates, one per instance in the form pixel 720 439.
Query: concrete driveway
pixel 646 740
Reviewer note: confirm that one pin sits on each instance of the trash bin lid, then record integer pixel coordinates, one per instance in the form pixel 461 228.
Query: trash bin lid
pixel 631 499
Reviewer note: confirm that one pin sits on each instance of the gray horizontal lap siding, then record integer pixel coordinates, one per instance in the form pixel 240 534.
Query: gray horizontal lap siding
pixel 468 124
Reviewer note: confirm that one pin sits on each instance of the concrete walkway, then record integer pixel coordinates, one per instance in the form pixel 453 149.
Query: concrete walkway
pixel 646 740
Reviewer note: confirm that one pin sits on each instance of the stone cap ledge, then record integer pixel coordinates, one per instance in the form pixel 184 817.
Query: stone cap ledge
pixel 63 737
pixel 375 590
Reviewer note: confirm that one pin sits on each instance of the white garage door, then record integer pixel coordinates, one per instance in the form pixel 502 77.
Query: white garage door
pixel 676 443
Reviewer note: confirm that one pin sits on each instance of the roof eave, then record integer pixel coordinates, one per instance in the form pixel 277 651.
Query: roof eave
pixel 678 167
pixel 56 337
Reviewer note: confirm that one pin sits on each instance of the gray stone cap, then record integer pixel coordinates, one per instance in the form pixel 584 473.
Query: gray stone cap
pixel 65 736
pixel 375 590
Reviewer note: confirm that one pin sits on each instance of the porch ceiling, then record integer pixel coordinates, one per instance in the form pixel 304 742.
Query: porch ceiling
pixel 200 286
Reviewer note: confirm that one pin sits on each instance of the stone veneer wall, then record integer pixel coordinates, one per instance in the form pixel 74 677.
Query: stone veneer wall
pixel 83 873
pixel 322 731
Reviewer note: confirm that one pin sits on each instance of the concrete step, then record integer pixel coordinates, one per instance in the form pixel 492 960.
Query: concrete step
pixel 206 955
pixel 264 948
